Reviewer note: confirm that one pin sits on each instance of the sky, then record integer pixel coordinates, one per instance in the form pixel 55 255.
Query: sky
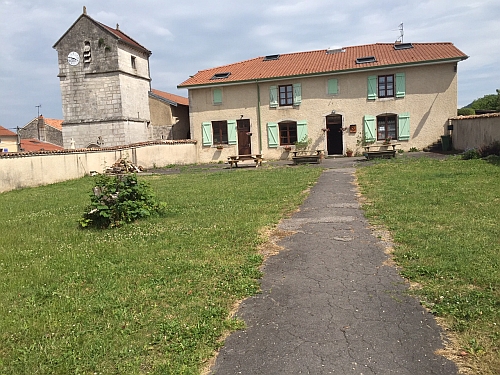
pixel 186 36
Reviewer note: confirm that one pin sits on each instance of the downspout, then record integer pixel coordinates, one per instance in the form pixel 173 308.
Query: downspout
pixel 259 127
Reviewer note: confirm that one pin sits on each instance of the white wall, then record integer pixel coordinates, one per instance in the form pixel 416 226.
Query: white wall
pixel 25 169
pixel 475 131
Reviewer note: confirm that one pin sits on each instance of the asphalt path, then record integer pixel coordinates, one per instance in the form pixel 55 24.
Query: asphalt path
pixel 331 302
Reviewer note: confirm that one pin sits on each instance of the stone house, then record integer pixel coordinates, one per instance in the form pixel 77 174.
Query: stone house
pixel 169 115
pixel 106 93
pixel 44 130
pixel 338 99
pixel 8 140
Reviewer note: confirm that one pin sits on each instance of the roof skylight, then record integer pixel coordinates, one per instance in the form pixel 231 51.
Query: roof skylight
pixel 221 75
pixel 398 46
pixel 364 60
pixel 271 57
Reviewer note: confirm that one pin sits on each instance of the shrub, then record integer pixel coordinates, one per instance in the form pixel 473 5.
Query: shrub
pixel 116 200
pixel 491 149
pixel 466 112
pixel 413 149
pixel 471 153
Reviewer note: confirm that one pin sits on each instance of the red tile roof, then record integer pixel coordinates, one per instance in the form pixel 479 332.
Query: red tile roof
pixel 55 123
pixel 124 37
pixel 6 132
pixel 32 145
pixel 321 62
pixel 172 97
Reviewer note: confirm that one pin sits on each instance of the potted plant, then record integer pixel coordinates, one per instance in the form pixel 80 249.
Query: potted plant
pixel 220 147
pixel 349 152
pixel 288 148
pixel 387 141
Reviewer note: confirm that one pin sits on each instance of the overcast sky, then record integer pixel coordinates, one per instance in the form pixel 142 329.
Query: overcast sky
pixel 190 35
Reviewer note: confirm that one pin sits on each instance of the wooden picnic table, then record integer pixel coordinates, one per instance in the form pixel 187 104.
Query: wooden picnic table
pixel 307 156
pixel 381 153
pixel 235 159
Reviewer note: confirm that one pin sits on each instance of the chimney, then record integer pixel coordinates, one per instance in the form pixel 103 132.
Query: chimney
pixel 84 10
pixel 41 128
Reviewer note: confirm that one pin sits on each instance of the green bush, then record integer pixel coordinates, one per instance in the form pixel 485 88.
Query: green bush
pixel 116 200
pixel 491 149
pixel 466 112
pixel 471 153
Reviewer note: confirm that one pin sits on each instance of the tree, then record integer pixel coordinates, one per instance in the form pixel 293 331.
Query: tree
pixel 487 102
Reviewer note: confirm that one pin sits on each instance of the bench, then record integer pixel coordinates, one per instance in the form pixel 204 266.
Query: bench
pixel 235 159
pixel 306 156
pixel 383 151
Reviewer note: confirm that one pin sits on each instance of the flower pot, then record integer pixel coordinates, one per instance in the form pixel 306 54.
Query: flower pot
pixel 348 153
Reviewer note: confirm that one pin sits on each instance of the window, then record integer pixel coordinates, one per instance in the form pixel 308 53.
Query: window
pixel 386 86
pixel 386 127
pixel 221 75
pixel 288 132
pixel 217 96
pixel 132 62
pixel 219 131
pixel 286 95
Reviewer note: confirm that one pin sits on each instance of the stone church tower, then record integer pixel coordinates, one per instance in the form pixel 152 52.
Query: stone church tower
pixel 105 80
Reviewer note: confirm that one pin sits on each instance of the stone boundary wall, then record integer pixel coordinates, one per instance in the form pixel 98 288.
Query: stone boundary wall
pixel 475 131
pixel 23 169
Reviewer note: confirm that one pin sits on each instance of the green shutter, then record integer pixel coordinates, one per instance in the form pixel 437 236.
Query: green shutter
pixel 400 85
pixel 372 87
pixel 273 96
pixel 369 129
pixel 297 93
pixel 333 87
pixel 404 126
pixel 272 134
pixel 217 93
pixel 206 133
pixel 301 131
pixel 231 132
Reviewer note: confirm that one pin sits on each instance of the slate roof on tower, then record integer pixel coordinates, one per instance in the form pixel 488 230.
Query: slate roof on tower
pixel 345 59
pixel 116 33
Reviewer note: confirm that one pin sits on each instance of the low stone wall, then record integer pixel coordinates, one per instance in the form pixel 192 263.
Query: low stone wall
pixel 475 131
pixel 18 170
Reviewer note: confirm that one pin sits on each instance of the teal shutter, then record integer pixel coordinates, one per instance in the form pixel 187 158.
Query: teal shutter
pixel 333 87
pixel 272 134
pixel 297 93
pixel 372 87
pixel 404 126
pixel 217 93
pixel 206 133
pixel 231 132
pixel 400 85
pixel 301 131
pixel 369 129
pixel 273 96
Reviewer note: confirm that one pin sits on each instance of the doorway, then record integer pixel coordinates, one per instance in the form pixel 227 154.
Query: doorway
pixel 244 138
pixel 334 138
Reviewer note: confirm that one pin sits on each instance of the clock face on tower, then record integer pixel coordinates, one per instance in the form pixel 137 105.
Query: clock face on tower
pixel 73 58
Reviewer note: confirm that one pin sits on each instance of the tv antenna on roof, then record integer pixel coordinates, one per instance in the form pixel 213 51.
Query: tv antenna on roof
pixel 38 109
pixel 402 33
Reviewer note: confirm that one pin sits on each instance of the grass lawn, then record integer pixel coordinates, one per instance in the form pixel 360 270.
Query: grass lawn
pixel 444 217
pixel 150 297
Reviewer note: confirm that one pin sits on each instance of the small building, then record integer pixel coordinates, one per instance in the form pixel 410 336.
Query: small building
pixel 169 115
pixel 44 130
pixel 337 99
pixel 8 140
